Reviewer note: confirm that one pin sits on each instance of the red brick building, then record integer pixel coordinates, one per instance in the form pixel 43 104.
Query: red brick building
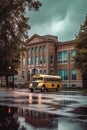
pixel 48 56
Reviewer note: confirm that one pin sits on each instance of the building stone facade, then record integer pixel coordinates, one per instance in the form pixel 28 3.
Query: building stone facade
pixel 48 56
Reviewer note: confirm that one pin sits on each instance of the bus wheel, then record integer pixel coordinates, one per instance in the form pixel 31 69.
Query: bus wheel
pixel 42 88
pixel 32 90
pixel 46 90
pixel 58 88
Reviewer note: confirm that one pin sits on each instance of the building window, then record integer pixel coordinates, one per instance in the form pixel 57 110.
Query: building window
pixel 44 72
pixel 40 48
pixel 65 85
pixel 29 61
pixel 28 72
pixel 62 57
pixel 36 60
pixel 74 85
pixel 51 59
pixel 36 49
pixel 34 71
pixel 40 71
pixel 15 77
pixel 32 50
pixel 73 74
pixel 44 48
pixel 23 74
pixel 44 59
pixel 23 61
pixel 41 60
pixel 28 75
pixel 28 50
pixel 73 52
pixel 63 74
pixel 51 72
pixel 32 60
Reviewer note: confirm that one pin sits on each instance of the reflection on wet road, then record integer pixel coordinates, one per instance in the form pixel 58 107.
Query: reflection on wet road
pixel 44 111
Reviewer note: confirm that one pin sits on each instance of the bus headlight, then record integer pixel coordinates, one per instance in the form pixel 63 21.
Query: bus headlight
pixel 30 85
pixel 40 85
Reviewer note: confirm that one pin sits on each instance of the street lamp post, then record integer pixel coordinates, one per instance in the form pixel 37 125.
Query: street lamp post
pixel 11 73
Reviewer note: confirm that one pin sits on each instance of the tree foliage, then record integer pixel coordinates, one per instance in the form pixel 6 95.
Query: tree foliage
pixel 81 50
pixel 14 26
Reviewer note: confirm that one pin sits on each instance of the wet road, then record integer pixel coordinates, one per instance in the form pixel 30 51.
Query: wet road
pixel 44 111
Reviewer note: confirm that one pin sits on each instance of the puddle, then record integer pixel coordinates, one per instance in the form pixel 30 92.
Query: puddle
pixel 37 111
pixel 13 118
pixel 81 110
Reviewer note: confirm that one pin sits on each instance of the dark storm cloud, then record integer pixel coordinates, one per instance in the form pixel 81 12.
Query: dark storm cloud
pixel 58 17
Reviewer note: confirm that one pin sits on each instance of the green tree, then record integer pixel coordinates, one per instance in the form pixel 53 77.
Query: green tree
pixel 14 26
pixel 81 52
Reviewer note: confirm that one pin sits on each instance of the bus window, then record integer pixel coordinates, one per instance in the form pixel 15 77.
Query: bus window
pixel 40 78
pixel 36 79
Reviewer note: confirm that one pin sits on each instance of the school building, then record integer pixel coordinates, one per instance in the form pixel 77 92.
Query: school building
pixel 46 55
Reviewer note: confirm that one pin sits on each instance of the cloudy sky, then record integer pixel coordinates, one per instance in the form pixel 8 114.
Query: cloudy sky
pixel 58 17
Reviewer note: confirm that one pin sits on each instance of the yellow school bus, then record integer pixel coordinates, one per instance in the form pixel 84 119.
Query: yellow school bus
pixel 45 82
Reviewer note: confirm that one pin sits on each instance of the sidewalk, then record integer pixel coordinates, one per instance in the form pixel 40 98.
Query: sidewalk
pixel 15 89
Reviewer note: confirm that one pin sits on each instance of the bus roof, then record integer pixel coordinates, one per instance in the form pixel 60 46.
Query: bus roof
pixel 50 76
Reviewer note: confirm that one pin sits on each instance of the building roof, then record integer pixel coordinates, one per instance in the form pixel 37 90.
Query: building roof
pixel 66 42
pixel 46 38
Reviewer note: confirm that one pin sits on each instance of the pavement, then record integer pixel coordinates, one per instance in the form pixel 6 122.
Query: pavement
pixel 15 89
